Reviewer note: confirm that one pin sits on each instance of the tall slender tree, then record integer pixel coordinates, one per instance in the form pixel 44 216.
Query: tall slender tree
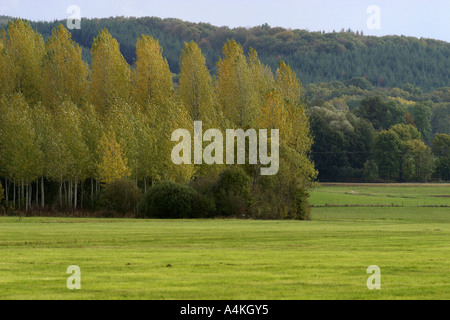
pixel 43 126
pixel 296 129
pixel 110 79
pixel 196 88
pixel 4 79
pixel 113 162
pixel 261 77
pixel 92 128
pixel 23 56
pixel 197 96
pixel 154 93
pixel 21 157
pixel 67 121
pixel 64 73
pixel 122 121
pixel 236 93
pixel 152 79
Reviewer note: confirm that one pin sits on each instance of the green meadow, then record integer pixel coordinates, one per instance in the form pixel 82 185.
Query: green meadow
pixel 407 195
pixel 326 258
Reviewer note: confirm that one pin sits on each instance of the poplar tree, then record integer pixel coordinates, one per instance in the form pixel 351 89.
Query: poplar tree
pixel 152 79
pixel 122 122
pixel 113 162
pixel 261 77
pixel 43 126
pixel 21 157
pixel 196 88
pixel 4 79
pixel 154 93
pixel 147 146
pixel 274 114
pixel 92 129
pixel 67 121
pixel 197 96
pixel 283 110
pixel 24 50
pixel 235 91
pixel 110 79
pixel 289 85
pixel 64 73
pixel 297 128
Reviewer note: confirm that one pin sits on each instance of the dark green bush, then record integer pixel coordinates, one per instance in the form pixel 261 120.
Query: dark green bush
pixel 170 200
pixel 270 206
pixel 301 208
pixel 206 204
pixel 204 185
pixel 122 196
pixel 229 195
pixel 234 179
pixel 1 198
pixel 232 193
pixel 1 193
pixel 267 206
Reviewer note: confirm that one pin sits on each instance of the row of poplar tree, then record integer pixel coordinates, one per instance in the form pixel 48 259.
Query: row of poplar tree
pixel 81 126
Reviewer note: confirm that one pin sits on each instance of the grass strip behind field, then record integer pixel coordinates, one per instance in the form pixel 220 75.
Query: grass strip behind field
pixel 382 195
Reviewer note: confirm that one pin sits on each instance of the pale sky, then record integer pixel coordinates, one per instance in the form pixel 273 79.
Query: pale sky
pixel 418 18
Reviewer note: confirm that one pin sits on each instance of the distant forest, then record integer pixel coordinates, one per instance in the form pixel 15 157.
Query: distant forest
pixel 390 61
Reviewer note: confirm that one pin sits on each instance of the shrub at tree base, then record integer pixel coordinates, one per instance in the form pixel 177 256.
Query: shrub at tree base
pixel 302 209
pixel 170 200
pixel 290 206
pixel 1 197
pixel 232 193
pixel 122 196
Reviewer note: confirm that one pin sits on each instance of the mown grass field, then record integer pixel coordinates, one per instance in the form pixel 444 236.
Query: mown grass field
pixel 326 258
pixel 408 195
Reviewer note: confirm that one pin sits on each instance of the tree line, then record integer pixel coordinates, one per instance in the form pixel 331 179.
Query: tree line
pixel 68 130
pixel 326 56
pixel 381 140
pixel 347 119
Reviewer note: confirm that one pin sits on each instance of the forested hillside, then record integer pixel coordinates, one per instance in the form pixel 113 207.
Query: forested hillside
pixel 390 61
